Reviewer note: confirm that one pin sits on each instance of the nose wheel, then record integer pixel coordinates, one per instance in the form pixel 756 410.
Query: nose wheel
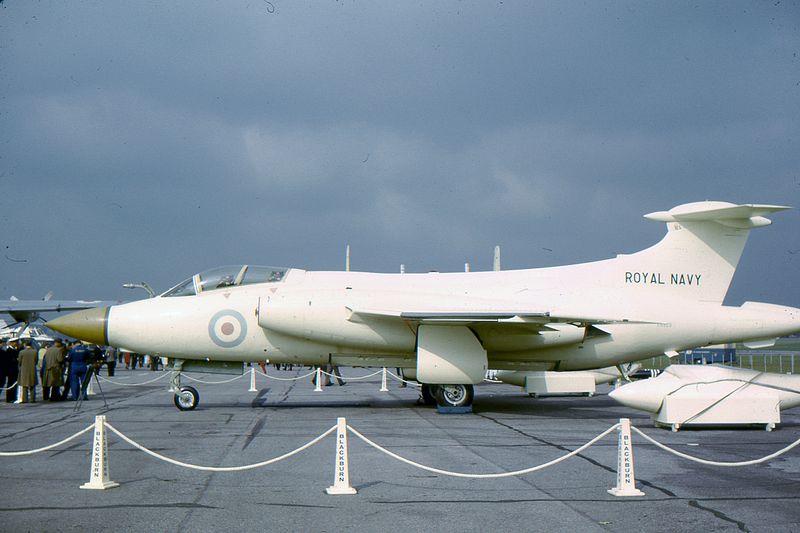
pixel 187 398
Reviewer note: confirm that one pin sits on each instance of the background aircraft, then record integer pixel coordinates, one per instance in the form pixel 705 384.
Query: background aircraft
pixel 26 312
pixel 23 331
pixel 446 329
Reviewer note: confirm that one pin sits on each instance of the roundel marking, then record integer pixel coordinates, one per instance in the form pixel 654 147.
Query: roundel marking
pixel 227 328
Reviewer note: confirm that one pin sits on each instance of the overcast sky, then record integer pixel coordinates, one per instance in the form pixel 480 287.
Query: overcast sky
pixel 151 140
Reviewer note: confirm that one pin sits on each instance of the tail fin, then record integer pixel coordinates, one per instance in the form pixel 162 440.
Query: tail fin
pixel 699 254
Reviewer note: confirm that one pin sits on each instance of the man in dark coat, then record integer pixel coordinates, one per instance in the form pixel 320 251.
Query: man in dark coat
pixel 3 383
pixel 10 369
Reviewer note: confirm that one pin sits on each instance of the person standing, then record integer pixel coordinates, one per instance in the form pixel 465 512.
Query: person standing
pixel 3 376
pixel 111 360
pixel 9 365
pixel 43 346
pixel 78 356
pixel 27 371
pixel 53 371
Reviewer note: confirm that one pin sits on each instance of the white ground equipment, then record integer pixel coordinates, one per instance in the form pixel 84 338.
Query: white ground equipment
pixel 711 395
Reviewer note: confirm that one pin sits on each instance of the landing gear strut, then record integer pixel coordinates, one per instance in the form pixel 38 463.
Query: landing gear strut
pixel 429 394
pixel 186 397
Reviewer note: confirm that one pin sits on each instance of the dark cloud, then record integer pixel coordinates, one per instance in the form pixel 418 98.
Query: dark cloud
pixel 145 141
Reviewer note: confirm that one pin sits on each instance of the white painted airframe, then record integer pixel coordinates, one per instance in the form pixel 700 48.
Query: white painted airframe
pixel 446 329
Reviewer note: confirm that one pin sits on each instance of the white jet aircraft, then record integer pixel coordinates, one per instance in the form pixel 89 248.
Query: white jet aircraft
pixel 445 329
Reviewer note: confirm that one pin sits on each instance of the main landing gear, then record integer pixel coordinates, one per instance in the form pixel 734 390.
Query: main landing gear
pixel 448 395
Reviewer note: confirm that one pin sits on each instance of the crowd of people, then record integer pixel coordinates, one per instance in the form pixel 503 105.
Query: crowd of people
pixel 61 368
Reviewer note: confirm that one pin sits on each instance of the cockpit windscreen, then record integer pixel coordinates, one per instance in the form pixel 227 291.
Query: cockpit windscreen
pixel 227 276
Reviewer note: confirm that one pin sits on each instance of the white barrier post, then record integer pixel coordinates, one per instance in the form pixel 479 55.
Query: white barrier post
pixel 341 473
pixel 19 393
pixel 626 481
pixel 384 388
pixel 318 380
pixel 90 387
pixel 252 380
pixel 99 478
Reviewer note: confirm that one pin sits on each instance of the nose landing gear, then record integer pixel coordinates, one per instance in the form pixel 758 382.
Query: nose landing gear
pixel 187 398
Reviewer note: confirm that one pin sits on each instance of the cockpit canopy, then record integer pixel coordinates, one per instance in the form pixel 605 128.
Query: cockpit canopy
pixel 227 276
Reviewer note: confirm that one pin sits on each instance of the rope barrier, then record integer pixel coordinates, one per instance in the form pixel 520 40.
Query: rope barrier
pixel 350 378
pixel 483 476
pixel 44 449
pixel 212 382
pixel 10 386
pixel 715 463
pixel 219 468
pixel 286 379
pixel 626 485
pixel 162 376
pixel 395 376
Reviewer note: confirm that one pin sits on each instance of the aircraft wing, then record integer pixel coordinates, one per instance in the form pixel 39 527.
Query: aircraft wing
pixel 537 320
pixel 43 306
pixel 29 310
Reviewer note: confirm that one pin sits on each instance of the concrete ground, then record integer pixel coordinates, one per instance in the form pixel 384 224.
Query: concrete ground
pixel 506 431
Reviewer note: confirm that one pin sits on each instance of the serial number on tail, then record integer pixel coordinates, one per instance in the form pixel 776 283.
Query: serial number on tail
pixel 661 278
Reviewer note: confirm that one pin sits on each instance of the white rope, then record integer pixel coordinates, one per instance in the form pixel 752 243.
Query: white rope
pixel 350 378
pixel 395 376
pixel 716 463
pixel 212 382
pixel 162 376
pixel 219 468
pixel 10 386
pixel 286 379
pixel 31 452
pixel 484 476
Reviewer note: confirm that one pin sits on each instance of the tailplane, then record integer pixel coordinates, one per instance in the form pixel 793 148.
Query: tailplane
pixel 699 254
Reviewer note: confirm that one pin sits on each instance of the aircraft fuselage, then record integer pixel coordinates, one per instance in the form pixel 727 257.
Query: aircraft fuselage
pixel 313 318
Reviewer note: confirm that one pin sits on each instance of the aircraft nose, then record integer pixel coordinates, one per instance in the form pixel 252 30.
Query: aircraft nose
pixel 639 395
pixel 89 325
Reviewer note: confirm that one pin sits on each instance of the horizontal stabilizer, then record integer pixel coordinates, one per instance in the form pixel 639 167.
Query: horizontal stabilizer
pixel 740 216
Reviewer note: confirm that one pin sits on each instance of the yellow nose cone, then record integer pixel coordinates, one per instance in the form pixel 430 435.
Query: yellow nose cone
pixel 90 325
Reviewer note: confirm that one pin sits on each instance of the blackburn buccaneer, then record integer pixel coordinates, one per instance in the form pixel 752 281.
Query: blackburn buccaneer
pixel 446 329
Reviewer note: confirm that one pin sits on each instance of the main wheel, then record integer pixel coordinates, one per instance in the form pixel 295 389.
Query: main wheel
pixel 454 395
pixel 429 394
pixel 187 398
